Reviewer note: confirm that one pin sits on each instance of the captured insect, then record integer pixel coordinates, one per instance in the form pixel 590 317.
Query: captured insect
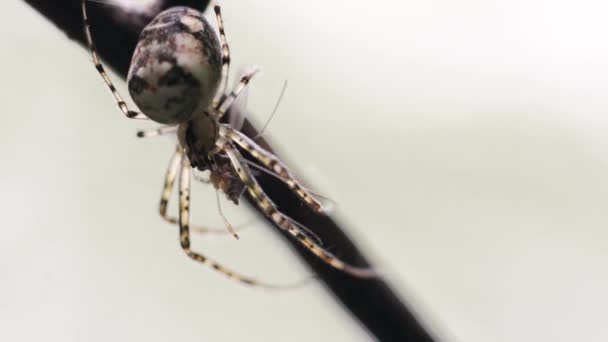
pixel 178 77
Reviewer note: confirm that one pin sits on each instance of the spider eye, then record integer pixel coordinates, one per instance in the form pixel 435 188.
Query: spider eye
pixel 176 66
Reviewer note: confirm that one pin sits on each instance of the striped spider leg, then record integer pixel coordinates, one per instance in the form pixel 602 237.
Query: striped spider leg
pixel 170 177
pixel 274 164
pixel 271 211
pixel 178 77
pixel 221 90
pixel 104 75
pixel 184 229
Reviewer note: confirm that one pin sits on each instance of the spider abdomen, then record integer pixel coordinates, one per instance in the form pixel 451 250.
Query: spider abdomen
pixel 176 66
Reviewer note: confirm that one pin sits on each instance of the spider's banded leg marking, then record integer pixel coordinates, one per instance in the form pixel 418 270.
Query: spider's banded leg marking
pixel 156 132
pixel 221 90
pixel 326 208
pixel 121 103
pixel 271 162
pixel 171 175
pixel 184 232
pixel 225 104
pixel 270 210
pixel 317 196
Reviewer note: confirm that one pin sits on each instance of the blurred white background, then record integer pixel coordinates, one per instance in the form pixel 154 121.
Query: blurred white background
pixel 464 141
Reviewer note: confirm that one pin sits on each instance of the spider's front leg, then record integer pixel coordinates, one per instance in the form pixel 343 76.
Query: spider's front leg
pixel 272 163
pixel 270 210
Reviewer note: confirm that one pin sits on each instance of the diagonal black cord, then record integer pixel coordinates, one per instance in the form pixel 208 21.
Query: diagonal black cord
pixel 377 307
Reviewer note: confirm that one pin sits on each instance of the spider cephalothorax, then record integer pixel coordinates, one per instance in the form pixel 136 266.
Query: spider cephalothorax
pixel 178 77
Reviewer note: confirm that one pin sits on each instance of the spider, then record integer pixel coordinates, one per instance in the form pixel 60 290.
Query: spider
pixel 178 77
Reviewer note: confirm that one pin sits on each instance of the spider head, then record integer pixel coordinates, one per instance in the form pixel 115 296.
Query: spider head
pixel 176 66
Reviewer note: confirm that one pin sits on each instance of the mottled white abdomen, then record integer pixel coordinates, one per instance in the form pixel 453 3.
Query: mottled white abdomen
pixel 176 66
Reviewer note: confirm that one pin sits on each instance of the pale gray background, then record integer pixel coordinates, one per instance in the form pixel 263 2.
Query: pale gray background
pixel 464 141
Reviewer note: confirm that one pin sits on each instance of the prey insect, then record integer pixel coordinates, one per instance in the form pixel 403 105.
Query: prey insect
pixel 178 77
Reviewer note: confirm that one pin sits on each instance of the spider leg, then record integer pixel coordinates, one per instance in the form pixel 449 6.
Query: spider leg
pixel 156 132
pixel 271 211
pixel 120 102
pixel 184 232
pixel 326 208
pixel 221 90
pixel 170 177
pixel 238 111
pixel 172 170
pixel 226 102
pixel 226 222
pixel 273 163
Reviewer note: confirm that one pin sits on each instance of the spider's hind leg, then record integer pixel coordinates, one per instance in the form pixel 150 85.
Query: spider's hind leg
pixel 221 91
pixel 119 101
